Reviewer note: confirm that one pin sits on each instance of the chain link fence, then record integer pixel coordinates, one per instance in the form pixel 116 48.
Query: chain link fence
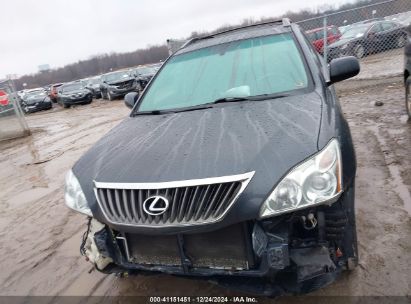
pixel 376 34
pixel 12 122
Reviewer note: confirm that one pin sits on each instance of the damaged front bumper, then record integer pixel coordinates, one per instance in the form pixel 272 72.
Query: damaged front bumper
pixel 289 254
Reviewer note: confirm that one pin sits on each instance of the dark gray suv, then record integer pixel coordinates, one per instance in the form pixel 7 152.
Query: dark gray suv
pixel 235 165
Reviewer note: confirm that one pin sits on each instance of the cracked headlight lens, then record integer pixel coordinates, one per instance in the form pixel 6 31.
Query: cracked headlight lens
pixel 317 180
pixel 74 195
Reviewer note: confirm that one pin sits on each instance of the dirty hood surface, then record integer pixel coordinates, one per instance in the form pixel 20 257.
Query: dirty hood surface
pixel 268 137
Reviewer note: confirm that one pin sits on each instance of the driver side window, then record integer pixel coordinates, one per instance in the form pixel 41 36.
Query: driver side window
pixel 387 26
pixel 376 28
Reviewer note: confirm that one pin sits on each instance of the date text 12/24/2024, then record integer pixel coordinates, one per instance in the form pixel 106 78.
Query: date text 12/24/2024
pixel 204 299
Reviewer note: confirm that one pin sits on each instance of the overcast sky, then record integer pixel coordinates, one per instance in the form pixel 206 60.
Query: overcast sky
pixel 60 32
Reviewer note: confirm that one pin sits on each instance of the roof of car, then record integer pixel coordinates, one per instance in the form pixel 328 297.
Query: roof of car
pixel 126 70
pixel 319 29
pixel 35 90
pixel 71 82
pixel 240 33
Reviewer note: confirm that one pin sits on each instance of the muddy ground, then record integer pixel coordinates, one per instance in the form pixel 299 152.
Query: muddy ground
pixel 40 237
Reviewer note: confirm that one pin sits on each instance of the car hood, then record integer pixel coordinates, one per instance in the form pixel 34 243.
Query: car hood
pixel 82 91
pixel 31 101
pixel 268 137
pixel 120 81
pixel 147 76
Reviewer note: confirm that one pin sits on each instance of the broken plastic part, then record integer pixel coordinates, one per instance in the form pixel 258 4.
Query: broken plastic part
pixel 91 250
pixel 309 222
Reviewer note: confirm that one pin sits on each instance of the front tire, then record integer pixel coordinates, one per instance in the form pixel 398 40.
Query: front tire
pixel 66 106
pixel 408 97
pixel 109 96
pixel 359 51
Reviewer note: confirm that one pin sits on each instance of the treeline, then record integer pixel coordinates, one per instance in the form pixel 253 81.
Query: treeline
pixel 114 61
pixel 94 66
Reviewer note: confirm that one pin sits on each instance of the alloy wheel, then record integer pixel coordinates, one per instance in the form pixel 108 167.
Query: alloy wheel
pixel 359 51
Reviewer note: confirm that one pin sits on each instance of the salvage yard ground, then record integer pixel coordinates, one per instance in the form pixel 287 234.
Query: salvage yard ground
pixel 40 237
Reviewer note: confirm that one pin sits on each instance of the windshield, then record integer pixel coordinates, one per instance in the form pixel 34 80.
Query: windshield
pixel 94 81
pixel 355 31
pixel 116 76
pixel 250 67
pixel 72 87
pixel 312 36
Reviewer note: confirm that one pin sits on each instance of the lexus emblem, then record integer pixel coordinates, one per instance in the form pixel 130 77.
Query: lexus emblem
pixel 155 205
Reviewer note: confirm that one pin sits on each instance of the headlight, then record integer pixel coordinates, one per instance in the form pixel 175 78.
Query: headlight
pixel 316 181
pixel 344 46
pixel 74 196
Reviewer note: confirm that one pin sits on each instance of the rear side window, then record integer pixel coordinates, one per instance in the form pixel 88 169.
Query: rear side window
pixel 388 26
pixel 333 31
pixel 313 36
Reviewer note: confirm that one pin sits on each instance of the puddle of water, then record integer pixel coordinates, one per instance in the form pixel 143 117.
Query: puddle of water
pixel 29 196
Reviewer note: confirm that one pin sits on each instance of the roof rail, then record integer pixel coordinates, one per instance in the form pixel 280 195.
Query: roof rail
pixel 284 22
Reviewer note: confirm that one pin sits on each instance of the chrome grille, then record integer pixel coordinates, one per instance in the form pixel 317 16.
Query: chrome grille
pixel 191 202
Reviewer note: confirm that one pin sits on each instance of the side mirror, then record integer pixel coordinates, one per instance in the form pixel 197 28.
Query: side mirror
pixel 130 99
pixel 343 68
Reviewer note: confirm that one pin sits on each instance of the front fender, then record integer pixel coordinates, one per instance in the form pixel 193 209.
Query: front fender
pixel 334 124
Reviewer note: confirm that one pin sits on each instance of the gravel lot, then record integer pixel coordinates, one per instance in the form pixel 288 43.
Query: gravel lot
pixel 40 237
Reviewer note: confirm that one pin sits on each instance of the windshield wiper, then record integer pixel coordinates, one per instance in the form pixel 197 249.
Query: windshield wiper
pixel 208 105
pixel 185 109
pixel 254 98
pixel 153 112
pixel 230 99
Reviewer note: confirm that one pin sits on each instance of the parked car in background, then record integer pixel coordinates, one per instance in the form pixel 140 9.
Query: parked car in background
pixel 407 73
pixel 73 93
pixel 94 84
pixel 368 38
pixel 6 101
pixel 53 91
pixel 117 84
pixel 225 173
pixel 35 100
pixel 344 28
pixel 403 18
pixel 316 36
pixel 143 75
pixel 157 66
